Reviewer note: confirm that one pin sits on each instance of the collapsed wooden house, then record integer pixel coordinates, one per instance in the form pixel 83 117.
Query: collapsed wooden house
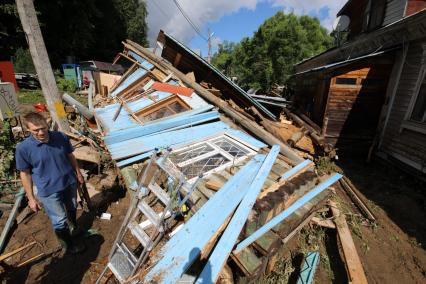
pixel 371 87
pixel 214 194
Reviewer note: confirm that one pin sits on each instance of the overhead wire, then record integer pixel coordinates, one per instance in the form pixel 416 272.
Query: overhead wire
pixel 185 15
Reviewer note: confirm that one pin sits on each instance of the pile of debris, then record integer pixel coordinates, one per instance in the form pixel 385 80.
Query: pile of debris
pixel 214 194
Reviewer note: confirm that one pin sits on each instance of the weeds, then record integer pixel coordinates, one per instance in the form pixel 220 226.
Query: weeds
pixel 282 272
pixel 325 165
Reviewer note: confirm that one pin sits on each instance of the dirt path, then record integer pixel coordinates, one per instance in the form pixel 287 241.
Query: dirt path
pixel 55 267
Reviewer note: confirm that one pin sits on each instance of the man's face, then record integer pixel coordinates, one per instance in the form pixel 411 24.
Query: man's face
pixel 39 131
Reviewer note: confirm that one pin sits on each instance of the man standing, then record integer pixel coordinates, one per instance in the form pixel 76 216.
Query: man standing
pixel 45 158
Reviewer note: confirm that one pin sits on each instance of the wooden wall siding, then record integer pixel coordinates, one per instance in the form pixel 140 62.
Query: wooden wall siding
pixel 353 110
pixel 394 11
pixel 410 144
pixel 413 6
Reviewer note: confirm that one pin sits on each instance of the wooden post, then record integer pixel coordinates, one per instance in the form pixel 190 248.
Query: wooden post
pixel 38 51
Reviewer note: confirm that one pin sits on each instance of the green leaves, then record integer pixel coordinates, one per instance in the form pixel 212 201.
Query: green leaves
pixel 270 55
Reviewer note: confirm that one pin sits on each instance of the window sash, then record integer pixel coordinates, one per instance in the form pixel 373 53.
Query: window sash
pixel 216 150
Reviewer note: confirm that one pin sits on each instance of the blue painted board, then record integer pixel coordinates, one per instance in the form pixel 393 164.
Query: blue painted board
pixel 140 145
pixel 129 80
pixel 310 264
pixel 287 212
pixel 184 247
pixel 155 128
pixel 229 237
pixel 134 159
pixel 139 59
pixel 246 138
pixel 295 169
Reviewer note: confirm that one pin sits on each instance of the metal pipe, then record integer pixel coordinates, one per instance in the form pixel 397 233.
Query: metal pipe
pixel 11 218
pixel 81 108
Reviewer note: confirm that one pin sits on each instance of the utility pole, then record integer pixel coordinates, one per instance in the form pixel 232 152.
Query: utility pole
pixel 38 51
pixel 209 44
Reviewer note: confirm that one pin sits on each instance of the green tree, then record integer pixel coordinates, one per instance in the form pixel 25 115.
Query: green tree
pixel 269 55
pixel 85 29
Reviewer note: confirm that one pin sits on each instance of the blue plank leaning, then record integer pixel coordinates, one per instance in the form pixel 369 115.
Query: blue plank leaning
pixel 224 246
pixel 287 212
pixel 184 247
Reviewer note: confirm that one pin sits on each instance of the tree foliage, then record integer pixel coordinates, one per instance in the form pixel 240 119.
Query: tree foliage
pixel 85 29
pixel 269 55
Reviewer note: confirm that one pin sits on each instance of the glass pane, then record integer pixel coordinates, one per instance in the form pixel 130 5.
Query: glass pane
pixel 177 107
pixel 231 147
pixel 420 105
pixel 203 166
pixel 160 113
pixel 185 155
pixel 346 81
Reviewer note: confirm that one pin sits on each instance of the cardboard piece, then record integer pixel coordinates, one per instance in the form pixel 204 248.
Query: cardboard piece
pixel 9 106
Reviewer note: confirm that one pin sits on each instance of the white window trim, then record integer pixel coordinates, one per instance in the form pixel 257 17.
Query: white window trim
pixel 232 160
pixel 408 123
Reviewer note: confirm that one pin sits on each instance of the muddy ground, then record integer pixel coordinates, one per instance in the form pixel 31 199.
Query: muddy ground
pixel 393 251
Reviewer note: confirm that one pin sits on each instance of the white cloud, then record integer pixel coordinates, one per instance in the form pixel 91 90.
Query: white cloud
pixel 163 14
pixel 304 7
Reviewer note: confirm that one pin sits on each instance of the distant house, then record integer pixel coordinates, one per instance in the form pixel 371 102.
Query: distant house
pixel 373 87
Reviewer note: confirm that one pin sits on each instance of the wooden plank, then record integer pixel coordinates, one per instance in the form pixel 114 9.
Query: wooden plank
pixel 9 254
pixel 287 212
pixel 354 267
pixel 248 262
pixel 293 172
pixel 185 246
pixel 224 247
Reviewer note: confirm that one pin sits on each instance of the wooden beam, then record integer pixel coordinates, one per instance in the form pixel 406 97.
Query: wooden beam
pixel 177 59
pixel 354 267
pixel 40 58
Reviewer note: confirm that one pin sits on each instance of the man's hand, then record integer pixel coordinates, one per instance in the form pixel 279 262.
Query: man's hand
pixel 80 178
pixel 34 205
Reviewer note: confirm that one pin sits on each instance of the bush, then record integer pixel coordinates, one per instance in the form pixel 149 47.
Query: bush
pixel 66 85
pixel 23 62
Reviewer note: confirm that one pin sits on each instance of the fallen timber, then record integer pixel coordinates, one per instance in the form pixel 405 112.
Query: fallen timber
pixel 233 183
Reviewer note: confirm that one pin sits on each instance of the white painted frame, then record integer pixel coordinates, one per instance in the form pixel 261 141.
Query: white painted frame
pixel 216 150
pixel 408 123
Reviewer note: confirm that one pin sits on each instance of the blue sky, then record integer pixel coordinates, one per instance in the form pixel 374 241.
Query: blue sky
pixel 229 19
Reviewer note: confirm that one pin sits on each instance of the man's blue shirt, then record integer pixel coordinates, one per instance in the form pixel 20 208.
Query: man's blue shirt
pixel 50 166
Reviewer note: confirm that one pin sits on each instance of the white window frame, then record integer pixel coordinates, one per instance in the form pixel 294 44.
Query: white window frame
pixel 408 123
pixel 216 150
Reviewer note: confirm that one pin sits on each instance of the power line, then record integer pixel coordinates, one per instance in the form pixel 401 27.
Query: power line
pixel 159 8
pixel 197 30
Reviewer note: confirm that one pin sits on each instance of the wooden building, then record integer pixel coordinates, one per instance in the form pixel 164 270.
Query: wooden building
pixel 373 87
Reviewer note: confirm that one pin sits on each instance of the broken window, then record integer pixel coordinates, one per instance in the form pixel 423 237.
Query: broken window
pixel 345 81
pixel 163 108
pixel 209 156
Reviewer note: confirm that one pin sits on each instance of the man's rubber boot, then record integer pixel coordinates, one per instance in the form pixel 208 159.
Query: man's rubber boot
pixel 75 230
pixel 67 243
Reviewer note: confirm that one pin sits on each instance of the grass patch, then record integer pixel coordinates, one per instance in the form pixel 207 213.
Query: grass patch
pixel 30 97
pixel 325 165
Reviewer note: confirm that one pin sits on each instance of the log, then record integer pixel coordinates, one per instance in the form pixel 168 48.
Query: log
pixel 353 263
pixel 239 118
pixel 312 132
